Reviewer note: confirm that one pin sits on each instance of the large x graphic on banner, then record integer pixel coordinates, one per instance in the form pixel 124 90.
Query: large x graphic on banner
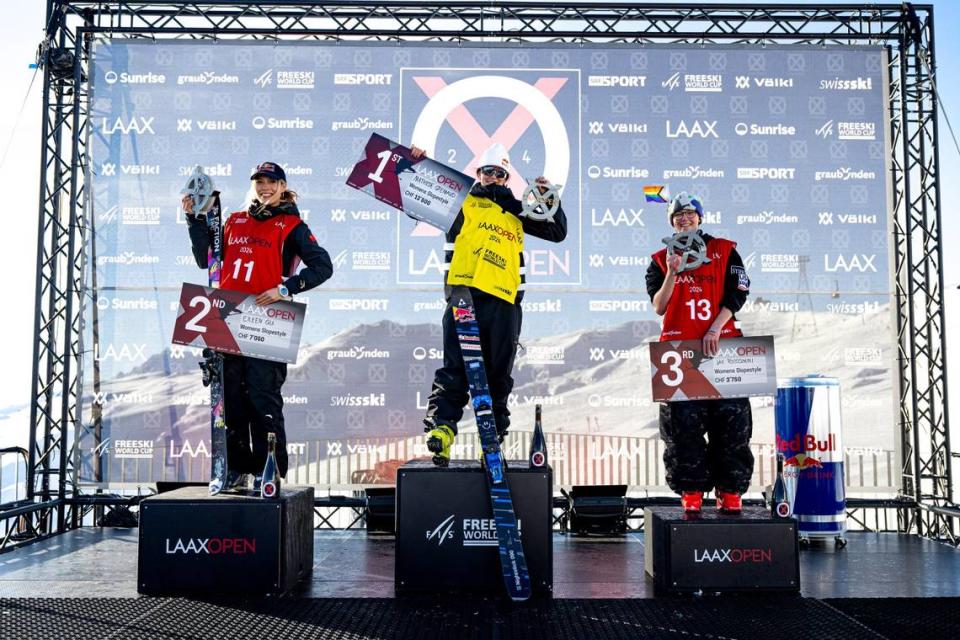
pixel 477 139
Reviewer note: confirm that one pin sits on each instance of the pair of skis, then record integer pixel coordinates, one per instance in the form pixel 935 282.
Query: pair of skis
pixel 513 563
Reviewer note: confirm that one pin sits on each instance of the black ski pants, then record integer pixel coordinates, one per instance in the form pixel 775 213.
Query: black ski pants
pixel 499 322
pixel 725 462
pixel 253 408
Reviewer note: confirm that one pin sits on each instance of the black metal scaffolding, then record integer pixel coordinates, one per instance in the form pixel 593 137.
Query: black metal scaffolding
pixel 56 502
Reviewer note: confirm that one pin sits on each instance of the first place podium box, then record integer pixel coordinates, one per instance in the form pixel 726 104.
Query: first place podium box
pixel 232 543
pixel 446 538
pixel 717 552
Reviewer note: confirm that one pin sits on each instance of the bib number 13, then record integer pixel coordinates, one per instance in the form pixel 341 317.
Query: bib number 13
pixel 699 309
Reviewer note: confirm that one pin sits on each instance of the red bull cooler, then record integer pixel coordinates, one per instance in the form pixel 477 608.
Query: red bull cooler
pixel 808 436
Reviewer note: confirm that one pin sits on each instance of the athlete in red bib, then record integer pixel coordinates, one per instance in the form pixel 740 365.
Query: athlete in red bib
pixel 699 304
pixel 263 246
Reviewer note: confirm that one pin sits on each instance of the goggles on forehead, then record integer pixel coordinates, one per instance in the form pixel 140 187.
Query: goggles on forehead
pixel 496 172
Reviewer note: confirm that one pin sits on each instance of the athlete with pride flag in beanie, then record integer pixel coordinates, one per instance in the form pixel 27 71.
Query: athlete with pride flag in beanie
pixel 700 305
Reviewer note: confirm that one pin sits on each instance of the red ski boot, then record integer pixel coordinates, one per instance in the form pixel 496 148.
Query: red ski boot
pixel 691 501
pixel 728 502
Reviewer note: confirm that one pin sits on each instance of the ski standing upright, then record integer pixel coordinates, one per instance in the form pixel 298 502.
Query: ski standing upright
pixel 206 200
pixel 512 561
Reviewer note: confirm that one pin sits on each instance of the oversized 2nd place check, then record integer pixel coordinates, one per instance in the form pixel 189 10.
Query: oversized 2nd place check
pixel 743 367
pixel 421 187
pixel 232 322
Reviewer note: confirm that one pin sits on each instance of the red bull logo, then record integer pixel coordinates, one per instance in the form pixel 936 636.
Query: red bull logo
pixel 803 461
pixel 461 314
pixel 801 444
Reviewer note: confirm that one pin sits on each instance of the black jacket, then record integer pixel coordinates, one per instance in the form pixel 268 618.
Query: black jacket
pixel 301 242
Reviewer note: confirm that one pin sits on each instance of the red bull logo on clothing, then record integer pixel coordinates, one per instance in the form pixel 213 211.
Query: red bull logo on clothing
pixel 461 314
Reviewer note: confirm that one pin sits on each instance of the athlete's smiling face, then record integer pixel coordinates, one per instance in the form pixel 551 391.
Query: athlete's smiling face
pixel 268 189
pixel 686 220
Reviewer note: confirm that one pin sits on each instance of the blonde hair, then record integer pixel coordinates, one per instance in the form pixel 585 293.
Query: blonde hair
pixel 282 196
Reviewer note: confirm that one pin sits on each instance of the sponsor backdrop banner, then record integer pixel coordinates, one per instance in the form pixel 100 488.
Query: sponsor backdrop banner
pixel 786 147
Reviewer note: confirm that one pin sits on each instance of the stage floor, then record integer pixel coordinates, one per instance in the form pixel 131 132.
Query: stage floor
pixel 97 562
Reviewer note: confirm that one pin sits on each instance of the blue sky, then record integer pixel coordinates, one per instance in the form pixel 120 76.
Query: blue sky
pixel 21 31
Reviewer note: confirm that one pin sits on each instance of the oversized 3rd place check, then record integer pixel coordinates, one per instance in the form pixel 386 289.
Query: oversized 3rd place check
pixel 742 368
pixel 231 322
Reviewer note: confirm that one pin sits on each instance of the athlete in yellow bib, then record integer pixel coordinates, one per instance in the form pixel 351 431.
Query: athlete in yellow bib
pixel 484 250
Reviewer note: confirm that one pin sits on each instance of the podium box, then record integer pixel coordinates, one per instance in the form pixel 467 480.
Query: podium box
pixel 718 552
pixel 446 539
pixel 232 543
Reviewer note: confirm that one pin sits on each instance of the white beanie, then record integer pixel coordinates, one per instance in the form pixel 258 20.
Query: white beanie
pixel 495 156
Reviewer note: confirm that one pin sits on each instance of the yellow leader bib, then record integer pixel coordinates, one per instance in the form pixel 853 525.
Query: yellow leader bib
pixel 486 253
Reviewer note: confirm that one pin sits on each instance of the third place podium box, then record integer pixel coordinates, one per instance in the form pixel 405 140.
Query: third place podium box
pixel 446 539
pixel 717 552
pixel 191 542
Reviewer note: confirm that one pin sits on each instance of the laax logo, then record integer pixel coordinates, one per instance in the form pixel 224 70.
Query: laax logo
pixel 140 126
pixel 860 263
pixel 443 531
pixel 696 129
pixel 187 449
pixel 126 352
pixel 212 546
pixel 626 217
pixel 733 556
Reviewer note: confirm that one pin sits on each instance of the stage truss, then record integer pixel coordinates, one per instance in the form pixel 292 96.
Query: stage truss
pixel 55 500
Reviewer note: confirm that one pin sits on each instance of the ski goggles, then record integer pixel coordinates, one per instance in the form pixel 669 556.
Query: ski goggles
pixel 496 172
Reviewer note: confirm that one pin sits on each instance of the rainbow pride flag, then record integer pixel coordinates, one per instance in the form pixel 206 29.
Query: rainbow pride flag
pixel 654 193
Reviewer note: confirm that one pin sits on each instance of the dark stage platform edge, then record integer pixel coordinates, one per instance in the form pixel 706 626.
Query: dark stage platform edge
pixel 97 562
pixel 82 585
pixel 338 618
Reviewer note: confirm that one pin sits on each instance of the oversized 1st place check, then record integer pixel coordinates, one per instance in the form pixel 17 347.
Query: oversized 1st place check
pixel 422 188
pixel 742 368
pixel 232 322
